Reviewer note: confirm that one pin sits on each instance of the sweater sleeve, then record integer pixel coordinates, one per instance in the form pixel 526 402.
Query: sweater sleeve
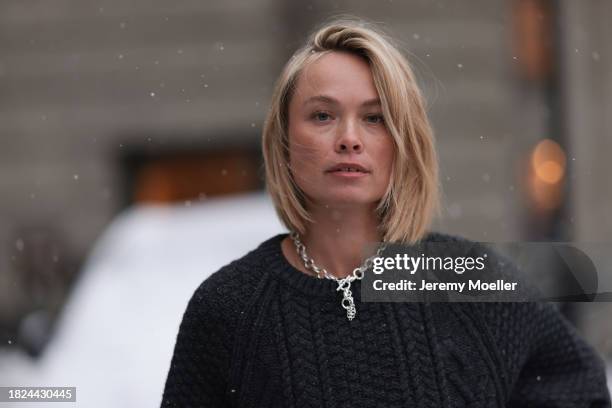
pixel 198 370
pixel 561 370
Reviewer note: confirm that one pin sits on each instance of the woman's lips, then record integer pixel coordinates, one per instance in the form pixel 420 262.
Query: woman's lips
pixel 347 174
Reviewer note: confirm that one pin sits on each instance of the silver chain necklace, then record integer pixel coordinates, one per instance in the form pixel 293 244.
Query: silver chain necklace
pixel 344 284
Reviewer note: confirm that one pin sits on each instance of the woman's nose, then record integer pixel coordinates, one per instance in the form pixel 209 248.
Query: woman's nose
pixel 348 141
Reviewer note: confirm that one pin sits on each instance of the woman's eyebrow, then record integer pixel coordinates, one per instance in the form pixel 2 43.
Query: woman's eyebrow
pixel 333 101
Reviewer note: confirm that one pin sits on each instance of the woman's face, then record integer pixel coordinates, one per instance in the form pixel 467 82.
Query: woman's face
pixel 340 150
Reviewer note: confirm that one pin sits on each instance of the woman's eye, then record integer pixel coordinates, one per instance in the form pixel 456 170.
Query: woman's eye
pixel 321 116
pixel 375 119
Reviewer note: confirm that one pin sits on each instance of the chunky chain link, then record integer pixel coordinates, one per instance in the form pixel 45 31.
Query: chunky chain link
pixel 344 284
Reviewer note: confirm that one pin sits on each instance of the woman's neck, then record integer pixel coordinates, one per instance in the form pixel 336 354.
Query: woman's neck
pixel 338 237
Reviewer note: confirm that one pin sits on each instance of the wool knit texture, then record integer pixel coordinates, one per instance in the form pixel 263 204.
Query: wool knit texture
pixel 261 333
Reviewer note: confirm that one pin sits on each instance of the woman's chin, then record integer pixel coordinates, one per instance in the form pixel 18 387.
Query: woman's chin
pixel 348 200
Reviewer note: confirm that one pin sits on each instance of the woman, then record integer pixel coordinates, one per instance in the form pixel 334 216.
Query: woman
pixel 350 160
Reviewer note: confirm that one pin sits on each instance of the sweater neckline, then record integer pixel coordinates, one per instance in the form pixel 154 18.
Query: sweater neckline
pixel 281 268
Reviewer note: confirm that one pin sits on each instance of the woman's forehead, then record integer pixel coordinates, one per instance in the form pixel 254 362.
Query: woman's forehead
pixel 336 78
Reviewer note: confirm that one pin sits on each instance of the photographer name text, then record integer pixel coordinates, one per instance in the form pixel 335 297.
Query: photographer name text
pixel 424 285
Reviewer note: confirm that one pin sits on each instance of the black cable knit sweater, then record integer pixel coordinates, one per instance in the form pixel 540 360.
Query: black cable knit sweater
pixel 260 333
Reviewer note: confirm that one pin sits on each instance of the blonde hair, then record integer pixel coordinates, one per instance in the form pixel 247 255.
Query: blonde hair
pixel 412 196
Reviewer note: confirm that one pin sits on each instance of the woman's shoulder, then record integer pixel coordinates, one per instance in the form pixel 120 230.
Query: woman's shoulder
pixel 235 282
pixel 515 315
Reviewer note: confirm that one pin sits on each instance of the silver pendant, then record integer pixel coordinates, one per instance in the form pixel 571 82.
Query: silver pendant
pixel 348 302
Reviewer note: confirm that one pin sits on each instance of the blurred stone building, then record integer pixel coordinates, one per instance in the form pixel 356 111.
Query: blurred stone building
pixel 104 104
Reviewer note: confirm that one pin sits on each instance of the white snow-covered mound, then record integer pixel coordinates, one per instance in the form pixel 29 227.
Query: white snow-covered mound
pixel 116 335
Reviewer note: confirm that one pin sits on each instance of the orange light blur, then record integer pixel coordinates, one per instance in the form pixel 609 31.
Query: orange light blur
pixel 548 161
pixel 546 174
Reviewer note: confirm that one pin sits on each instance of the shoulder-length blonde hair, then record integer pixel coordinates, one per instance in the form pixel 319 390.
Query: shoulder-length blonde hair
pixel 412 197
